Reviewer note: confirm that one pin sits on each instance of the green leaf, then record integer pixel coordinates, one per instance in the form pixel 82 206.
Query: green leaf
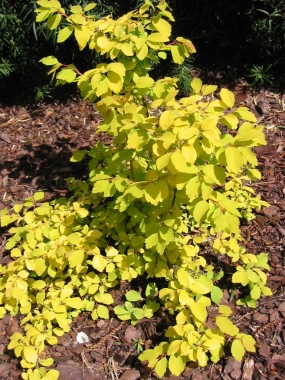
pixel 89 7
pixel 138 313
pixel 151 241
pixel 216 294
pixel 103 312
pixel 133 296
pixel 122 313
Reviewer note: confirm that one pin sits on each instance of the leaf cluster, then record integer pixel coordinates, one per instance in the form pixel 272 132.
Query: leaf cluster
pixel 175 177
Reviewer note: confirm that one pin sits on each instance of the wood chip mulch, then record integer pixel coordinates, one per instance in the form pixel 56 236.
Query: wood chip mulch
pixel 36 144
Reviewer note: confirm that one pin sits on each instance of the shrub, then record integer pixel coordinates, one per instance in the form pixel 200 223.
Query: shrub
pixel 175 177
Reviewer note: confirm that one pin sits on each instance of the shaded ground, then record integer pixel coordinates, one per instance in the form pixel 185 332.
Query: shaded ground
pixel 35 147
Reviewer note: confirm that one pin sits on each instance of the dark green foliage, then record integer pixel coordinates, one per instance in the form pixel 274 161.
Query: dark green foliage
pixel 24 42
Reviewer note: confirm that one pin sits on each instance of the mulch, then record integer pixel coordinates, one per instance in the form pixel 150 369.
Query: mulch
pixel 36 143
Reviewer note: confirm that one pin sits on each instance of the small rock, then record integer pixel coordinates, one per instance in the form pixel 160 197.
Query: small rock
pixel 5 137
pixel 281 307
pixel 130 374
pixel 260 318
pixel 232 366
pixel 263 106
pixel 132 333
pixel 236 375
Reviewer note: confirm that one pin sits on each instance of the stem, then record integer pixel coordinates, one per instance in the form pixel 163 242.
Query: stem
pixel 172 203
pixel 132 170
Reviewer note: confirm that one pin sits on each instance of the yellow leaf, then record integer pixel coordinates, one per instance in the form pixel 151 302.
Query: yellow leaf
pixel 30 354
pixel 196 84
pixel 104 298
pixel 183 297
pixel 163 161
pixel 200 210
pixel 102 41
pixel 42 16
pixel 174 347
pixel 99 263
pixel 226 326
pixel 142 52
pixel 166 120
pixel 237 350
pixel 248 342
pixel 234 159
pixel 176 364
pixel 184 277
pixel 161 367
pixel 202 285
pixel 245 115
pixel 152 193
pixel 178 160
pixel 118 68
pixel 227 97
pixel 206 90
pixel 177 55
pixel 157 37
pixel 127 49
pixel 54 21
pixel 75 258
pixel 201 357
pixel 198 310
pixel 189 153
pixel 75 303
pixel 211 344
pixel 230 120
pixel 40 284
pixel 82 35
pixel 162 26
pixel 103 86
pixel 144 82
pixel 115 82
pixel 226 310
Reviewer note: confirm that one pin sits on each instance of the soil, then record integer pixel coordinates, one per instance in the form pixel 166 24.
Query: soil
pixel 36 143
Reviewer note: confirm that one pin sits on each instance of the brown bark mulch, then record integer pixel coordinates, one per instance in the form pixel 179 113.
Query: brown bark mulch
pixel 36 144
